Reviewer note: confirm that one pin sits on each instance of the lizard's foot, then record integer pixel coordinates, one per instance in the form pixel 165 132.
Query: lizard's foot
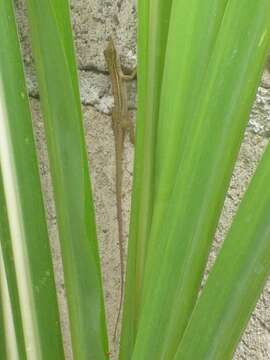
pixel 129 77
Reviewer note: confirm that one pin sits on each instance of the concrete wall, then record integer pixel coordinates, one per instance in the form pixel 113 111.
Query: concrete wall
pixel 93 22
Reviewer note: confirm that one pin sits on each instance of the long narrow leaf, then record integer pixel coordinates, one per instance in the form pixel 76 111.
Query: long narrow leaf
pixel 152 40
pixel 190 43
pixel 9 341
pixel 159 22
pixel 2 326
pixel 28 230
pixel 191 39
pixel 192 214
pixel 57 77
pixel 137 227
pixel 9 283
pixel 236 280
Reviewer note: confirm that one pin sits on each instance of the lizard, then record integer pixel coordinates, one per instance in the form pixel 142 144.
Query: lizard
pixel 121 123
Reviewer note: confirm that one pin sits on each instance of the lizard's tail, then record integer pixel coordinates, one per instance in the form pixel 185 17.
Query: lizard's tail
pixel 121 245
pixel 119 309
pixel 120 230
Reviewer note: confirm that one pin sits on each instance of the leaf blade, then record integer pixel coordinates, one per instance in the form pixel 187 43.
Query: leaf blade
pixel 26 216
pixel 198 194
pixel 58 83
pixel 229 297
pixel 152 39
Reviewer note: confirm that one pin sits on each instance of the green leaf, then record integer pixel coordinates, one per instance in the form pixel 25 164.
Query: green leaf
pixel 26 217
pixel 9 326
pixel 57 77
pixel 138 225
pixel 152 40
pixel 236 280
pixel 189 48
pixel 12 320
pixel 188 225
pixel 2 324
pixel 192 36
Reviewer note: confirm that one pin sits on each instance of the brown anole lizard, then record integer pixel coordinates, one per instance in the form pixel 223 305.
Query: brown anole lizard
pixel 121 122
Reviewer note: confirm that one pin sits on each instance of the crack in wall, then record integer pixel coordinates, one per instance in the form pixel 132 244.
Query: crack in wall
pixel 93 69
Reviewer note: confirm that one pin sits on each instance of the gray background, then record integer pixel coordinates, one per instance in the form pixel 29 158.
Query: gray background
pixel 93 21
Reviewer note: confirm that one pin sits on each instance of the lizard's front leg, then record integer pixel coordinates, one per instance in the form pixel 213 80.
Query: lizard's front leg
pixel 129 77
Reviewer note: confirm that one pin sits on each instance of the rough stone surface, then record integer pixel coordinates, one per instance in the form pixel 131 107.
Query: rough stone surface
pixel 93 21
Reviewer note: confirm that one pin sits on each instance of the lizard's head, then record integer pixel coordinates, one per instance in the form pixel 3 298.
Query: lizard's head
pixel 110 51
